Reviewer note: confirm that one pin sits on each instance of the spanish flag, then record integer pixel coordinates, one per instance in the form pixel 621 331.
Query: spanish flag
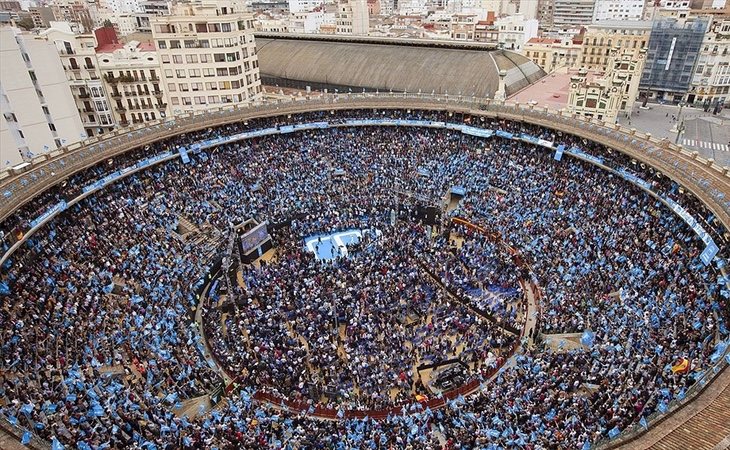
pixel 682 366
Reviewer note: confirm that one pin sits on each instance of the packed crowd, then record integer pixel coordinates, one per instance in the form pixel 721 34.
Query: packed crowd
pixel 102 349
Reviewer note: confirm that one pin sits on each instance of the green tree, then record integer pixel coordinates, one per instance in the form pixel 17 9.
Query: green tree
pixel 26 24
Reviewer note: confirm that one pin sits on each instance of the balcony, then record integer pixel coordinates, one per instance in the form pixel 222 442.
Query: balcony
pixel 154 79
pixel 157 93
pixel 84 95
pixel 117 94
pixel 162 106
pixel 87 110
pixel 120 108
pixel 89 67
pixel 123 123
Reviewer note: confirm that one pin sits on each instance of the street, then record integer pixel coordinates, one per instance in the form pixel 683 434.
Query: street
pixel 707 134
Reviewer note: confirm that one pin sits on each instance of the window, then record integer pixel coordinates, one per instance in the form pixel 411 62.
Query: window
pixel 196 86
pixel 199 100
pixel 194 73
pixel 187 101
pixel 45 111
pixel 177 59
pixel 183 87
pixel 175 101
pixel 204 43
pixel 52 127
pixel 180 73
pixel 226 27
pixel 162 45
pixel 209 72
pixel 222 72
pixel 191 59
pixel 168 73
pixel 204 58
pixel 175 44
pixel 190 44
pixel 211 86
pixel 165 59
pixel 219 57
pixel 171 87
pixel 212 99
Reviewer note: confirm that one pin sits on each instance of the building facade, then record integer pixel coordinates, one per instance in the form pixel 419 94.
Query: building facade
pixel 38 113
pixel 353 17
pixel 619 10
pixel 551 54
pixel 463 27
pixel 78 56
pixel 515 30
pixel 672 52
pixel 207 55
pixel 131 76
pixel 601 38
pixel 572 13
pixel 711 79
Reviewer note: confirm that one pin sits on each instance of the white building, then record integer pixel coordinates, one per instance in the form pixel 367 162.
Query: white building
pixel 207 55
pixel 299 6
pixel 121 6
pixel 78 56
pixel 515 30
pixel 618 10
pixel 711 80
pixel 353 17
pixel 572 13
pixel 38 111
pixel 307 22
pixel 131 76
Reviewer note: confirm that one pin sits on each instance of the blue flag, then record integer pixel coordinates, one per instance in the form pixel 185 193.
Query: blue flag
pixel 614 432
pixel 55 445
pixel 26 438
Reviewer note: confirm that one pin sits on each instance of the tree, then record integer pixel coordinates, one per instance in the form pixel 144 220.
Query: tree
pixel 26 24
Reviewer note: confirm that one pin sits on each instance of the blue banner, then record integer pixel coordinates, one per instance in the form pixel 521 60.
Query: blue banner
pixel 504 134
pixel 479 132
pixel 184 155
pixel 52 211
pixel 559 152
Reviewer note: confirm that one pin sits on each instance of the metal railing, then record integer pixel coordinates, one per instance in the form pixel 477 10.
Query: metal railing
pixel 635 430
pixel 702 177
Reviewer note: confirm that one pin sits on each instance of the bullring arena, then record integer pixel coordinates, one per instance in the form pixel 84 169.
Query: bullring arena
pixel 366 271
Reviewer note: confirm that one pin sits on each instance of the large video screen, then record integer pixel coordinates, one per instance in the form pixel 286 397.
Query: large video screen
pixel 254 238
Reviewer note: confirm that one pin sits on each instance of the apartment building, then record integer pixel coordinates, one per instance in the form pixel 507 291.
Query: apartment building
pixel 353 17
pixel 601 37
pixel 572 13
pixel 131 76
pixel 672 52
pixel 710 87
pixel 207 55
pixel 37 109
pixel 463 27
pixel 550 53
pixel 78 56
pixel 515 30
pixel 619 10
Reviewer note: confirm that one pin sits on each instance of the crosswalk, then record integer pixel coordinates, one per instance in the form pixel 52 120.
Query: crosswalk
pixel 706 145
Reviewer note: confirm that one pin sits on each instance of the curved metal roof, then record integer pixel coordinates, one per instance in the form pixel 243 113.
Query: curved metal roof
pixel 300 61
